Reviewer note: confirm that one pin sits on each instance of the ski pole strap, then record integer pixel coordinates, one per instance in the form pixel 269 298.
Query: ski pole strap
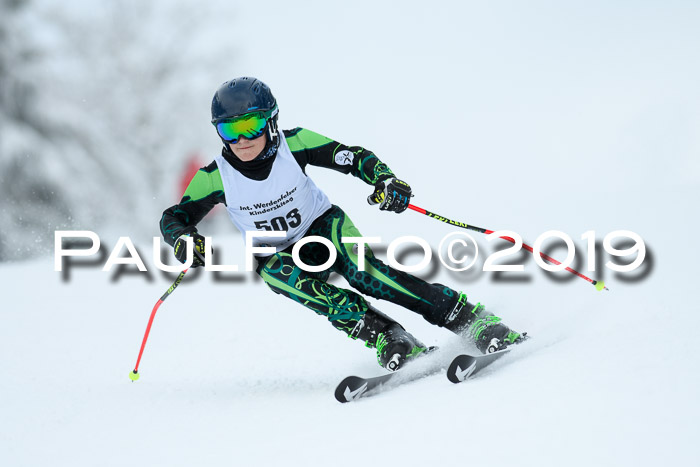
pixel 599 285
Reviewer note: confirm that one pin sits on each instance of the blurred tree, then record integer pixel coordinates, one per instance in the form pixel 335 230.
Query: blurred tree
pixel 29 204
pixel 100 105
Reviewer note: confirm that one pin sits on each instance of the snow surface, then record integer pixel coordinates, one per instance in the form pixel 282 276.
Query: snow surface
pixel 233 374
pixel 568 117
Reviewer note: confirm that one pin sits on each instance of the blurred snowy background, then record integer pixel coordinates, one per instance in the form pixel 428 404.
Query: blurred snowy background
pixel 103 106
pixel 527 116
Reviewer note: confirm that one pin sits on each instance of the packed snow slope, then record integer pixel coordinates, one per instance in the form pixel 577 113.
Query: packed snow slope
pixel 235 375
pixel 528 116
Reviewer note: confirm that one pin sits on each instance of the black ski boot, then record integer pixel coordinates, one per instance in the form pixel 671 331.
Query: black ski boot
pixel 487 331
pixel 394 345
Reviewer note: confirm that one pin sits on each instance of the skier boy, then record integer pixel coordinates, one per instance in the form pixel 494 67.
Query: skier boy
pixel 260 177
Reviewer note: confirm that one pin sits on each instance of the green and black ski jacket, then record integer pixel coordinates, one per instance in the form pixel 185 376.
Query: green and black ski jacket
pixel 308 148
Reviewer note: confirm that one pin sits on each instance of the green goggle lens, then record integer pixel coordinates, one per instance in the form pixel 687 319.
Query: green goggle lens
pixel 250 125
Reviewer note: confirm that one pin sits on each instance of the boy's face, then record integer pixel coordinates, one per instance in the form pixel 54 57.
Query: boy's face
pixel 248 149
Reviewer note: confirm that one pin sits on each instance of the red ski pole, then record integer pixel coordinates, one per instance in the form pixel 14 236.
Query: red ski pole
pixel 599 285
pixel 134 375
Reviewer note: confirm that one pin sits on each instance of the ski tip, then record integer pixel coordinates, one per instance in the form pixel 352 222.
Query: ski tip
pixel 350 389
pixel 461 367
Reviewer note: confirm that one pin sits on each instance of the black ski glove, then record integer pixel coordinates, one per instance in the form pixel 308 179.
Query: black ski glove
pixel 180 249
pixel 391 194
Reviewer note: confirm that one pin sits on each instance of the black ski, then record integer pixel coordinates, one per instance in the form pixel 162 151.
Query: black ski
pixel 462 367
pixel 465 366
pixel 354 387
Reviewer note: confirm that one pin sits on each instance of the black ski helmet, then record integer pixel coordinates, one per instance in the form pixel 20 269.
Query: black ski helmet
pixel 243 95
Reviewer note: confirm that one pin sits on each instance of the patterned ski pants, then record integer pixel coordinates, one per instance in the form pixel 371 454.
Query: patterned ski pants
pixel 344 307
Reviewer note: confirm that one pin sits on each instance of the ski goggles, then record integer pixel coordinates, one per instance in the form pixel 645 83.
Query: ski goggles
pixel 251 125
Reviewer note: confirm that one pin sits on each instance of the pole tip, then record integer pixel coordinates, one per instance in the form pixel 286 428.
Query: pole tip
pixel 134 375
pixel 600 285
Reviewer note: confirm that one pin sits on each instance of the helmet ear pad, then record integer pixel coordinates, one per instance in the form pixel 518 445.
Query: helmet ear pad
pixel 273 139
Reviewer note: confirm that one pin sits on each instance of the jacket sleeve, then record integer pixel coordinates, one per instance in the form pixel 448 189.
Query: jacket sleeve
pixel 310 148
pixel 203 193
